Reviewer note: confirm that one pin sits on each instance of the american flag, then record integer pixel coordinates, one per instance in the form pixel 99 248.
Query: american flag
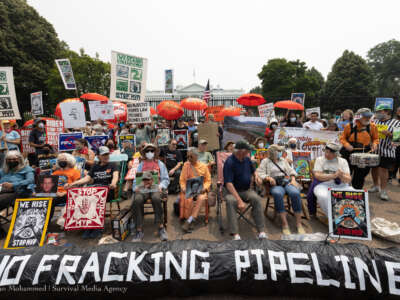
pixel 207 94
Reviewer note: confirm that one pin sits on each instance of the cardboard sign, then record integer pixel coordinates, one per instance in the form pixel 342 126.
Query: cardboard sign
pixel 53 129
pixel 349 214
pixel 139 112
pixel 298 97
pixel 194 186
pixel 314 109
pixel 384 101
pixel 29 223
pixel 37 103
pixel 67 76
pixel 301 164
pixel 267 111
pixel 86 207
pixel 163 136
pixel 8 99
pixel 66 141
pixel 128 77
pixel 169 81
pixel 25 146
pixel 181 136
pixel 126 138
pixel 209 132
pixel 96 141
pixel 101 110
pixel 46 186
pixel 73 114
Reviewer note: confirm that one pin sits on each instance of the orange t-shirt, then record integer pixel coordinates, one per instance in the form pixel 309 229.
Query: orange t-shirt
pixel 66 176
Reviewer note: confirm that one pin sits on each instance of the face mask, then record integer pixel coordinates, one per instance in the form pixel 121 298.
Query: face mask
pixel 150 155
pixel 379 116
pixel 273 126
pixel 62 164
pixel 261 145
pixel 279 155
pixel 293 146
pixel 12 164
pixel 292 120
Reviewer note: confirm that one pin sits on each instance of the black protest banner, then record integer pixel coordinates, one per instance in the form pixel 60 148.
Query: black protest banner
pixel 194 267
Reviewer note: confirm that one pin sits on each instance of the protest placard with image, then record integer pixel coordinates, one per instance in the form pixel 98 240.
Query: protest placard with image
pixel 36 104
pixel 8 99
pixel 194 186
pixel 67 76
pixel 128 138
pixel 46 186
pixel 181 137
pixel 66 141
pixel 301 164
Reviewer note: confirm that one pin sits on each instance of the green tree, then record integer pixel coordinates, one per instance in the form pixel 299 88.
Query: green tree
pixel 384 59
pixel 256 90
pixel 91 75
pixel 350 84
pixel 29 44
pixel 279 78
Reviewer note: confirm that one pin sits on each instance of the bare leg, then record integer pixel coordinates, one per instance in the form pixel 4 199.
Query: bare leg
pixel 384 176
pixel 298 219
pixel 375 175
pixel 284 220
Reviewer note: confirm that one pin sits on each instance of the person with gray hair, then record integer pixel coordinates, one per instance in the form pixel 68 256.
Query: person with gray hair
pixel 281 177
pixel 17 179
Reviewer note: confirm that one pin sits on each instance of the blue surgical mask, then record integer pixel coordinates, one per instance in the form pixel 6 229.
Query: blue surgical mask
pixel 279 155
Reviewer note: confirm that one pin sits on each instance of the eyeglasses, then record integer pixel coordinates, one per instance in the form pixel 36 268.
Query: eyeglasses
pixel 149 151
pixel 174 144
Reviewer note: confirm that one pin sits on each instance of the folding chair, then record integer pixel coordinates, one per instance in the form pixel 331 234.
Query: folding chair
pixel 221 158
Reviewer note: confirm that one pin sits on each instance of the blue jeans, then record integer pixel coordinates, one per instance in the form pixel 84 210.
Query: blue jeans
pixel 294 194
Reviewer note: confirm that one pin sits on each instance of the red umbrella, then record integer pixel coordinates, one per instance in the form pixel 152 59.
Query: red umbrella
pixel 94 96
pixel 152 111
pixel 289 104
pixel 169 110
pixel 58 107
pixel 120 112
pixel 230 111
pixel 251 100
pixel 29 123
pixel 194 104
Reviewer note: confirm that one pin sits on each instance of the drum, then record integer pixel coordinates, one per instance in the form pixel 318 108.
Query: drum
pixel 363 160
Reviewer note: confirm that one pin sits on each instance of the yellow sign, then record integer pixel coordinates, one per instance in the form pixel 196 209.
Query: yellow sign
pixel 381 127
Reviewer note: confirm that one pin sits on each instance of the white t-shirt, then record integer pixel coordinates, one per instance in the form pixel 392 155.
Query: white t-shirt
pixel 331 166
pixel 313 125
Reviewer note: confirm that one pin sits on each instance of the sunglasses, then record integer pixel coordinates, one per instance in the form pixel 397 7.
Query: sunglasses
pixel 149 151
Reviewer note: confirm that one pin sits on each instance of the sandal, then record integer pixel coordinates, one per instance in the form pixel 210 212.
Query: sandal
pixel 300 230
pixel 286 230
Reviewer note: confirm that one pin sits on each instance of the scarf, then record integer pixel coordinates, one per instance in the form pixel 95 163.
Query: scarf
pixel 84 151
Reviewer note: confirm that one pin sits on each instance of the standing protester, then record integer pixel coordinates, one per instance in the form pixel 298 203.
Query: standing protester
pixel 362 136
pixel 143 133
pixel 314 122
pixel 387 152
pixel 10 136
pixel 270 132
pixel 393 174
pixel 191 126
pixel 173 161
pixel 37 137
pixel 347 118
pixel 291 121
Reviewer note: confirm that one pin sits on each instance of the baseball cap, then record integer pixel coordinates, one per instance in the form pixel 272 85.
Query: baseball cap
pixel 104 150
pixel 203 141
pixel 147 175
pixel 333 147
pixel 242 145
pixel 364 112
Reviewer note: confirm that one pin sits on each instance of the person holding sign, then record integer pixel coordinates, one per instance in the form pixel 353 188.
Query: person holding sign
pixel 10 136
pixel 37 137
pixel 361 137
pixel 387 152
pixel 314 122
pixel 82 150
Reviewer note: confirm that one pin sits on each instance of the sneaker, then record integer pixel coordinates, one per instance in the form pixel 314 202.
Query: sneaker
pixel 186 226
pixel 286 231
pixel 384 196
pixel 300 230
pixel 86 234
pixel 374 189
pixel 262 236
pixel 163 234
pixel 236 237
pixel 96 233
pixel 138 237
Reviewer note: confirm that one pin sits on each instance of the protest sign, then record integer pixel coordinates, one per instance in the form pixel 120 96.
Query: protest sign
pixel 308 140
pixel 29 223
pixel 53 129
pixel 181 136
pixel 298 97
pixel 126 138
pixel 128 77
pixel 209 131
pixel 67 76
pixel 243 128
pixel 301 164
pixel 381 128
pixel 216 111
pixel 121 224
pixel 80 165
pixel 267 111
pixel 37 103
pixel 384 102
pixel 313 109
pixel 139 112
pixel 85 208
pixel 163 136
pixel 25 146
pixel 8 99
pixel 132 168
pixel 194 186
pixel 73 114
pixel 46 186
pixel 96 141
pixel 101 110
pixel 396 136
pixel 348 214
pixel 66 141
pixel 169 81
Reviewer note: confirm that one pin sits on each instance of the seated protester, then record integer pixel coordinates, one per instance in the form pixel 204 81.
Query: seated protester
pixel 191 169
pixel 291 120
pixel 238 175
pixel 17 180
pixel 332 172
pixel 205 157
pixel 270 131
pixel 386 150
pixel 102 173
pixel 259 143
pixel 110 144
pixel 282 178
pixel 314 123
pixel 229 147
pixel 10 137
pixel 44 160
pixel 362 135
pixel 82 150
pixel 291 147
pixel 150 163
pixel 173 161
pixel 128 148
